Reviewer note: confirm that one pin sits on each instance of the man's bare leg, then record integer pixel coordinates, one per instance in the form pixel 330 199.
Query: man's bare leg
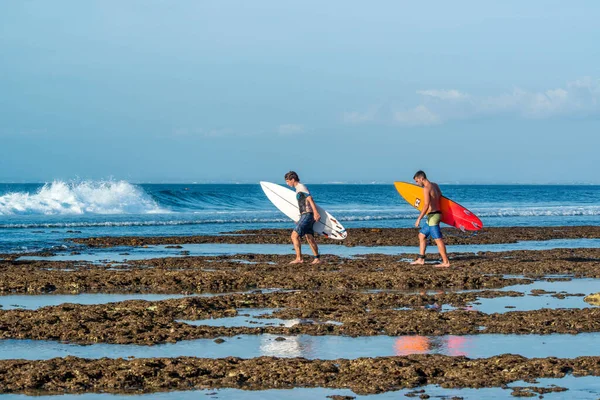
pixel 442 248
pixel 422 247
pixel 297 248
pixel 313 246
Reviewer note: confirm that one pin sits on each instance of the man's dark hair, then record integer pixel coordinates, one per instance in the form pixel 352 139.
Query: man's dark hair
pixel 420 174
pixel 292 175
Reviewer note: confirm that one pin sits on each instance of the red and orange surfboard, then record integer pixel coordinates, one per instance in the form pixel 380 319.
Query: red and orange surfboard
pixel 453 213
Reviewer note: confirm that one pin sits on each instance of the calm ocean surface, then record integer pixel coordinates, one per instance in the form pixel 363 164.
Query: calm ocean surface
pixel 39 216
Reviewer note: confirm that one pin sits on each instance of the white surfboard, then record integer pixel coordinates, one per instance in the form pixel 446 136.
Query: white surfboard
pixel 285 200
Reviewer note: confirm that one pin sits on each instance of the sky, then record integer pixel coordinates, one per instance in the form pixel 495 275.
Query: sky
pixel 339 91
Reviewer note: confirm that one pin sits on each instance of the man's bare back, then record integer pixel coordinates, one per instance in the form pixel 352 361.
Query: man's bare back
pixel 435 194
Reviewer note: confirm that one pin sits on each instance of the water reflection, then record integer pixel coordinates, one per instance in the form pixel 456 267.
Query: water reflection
pixel 116 254
pixel 292 346
pixel 321 347
pixel 450 345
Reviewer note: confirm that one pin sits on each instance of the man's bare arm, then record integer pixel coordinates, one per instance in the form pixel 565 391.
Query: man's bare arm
pixel 426 201
pixel 314 208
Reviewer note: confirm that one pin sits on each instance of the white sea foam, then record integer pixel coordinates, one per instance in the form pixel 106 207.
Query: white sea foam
pixel 141 223
pixel 487 213
pixel 86 197
pixel 546 211
pixel 344 218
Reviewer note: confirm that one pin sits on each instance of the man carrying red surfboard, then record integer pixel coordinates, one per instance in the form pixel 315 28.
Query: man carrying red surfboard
pixel 308 216
pixel 431 207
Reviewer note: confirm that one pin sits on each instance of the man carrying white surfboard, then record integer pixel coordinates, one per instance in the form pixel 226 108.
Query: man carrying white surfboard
pixel 431 207
pixel 308 216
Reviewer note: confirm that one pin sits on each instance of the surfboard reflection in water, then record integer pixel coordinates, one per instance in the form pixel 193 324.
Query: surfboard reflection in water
pixel 450 345
pixel 292 346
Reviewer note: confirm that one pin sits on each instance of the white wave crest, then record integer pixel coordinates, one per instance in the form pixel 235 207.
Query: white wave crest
pixel 139 223
pixel 547 211
pixel 86 197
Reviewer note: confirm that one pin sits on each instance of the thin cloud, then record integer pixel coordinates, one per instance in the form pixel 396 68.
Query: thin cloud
pixel 290 129
pixel 444 94
pixel 577 98
pixel 201 132
pixel 419 115
pixel 357 117
pixel 580 97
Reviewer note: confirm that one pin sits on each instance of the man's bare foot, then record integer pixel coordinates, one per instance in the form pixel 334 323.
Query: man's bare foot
pixel 316 261
pixel 297 261
pixel 418 261
pixel 442 265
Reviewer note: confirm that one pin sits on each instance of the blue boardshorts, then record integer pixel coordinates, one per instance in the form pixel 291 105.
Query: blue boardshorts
pixel 432 227
pixel 434 231
pixel 305 224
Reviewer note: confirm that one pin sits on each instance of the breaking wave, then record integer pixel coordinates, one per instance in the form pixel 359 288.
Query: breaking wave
pixel 87 197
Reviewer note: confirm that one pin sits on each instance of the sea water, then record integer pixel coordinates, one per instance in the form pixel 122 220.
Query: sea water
pixel 40 216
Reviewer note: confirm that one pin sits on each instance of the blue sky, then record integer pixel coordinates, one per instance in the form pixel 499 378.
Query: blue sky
pixel 238 91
